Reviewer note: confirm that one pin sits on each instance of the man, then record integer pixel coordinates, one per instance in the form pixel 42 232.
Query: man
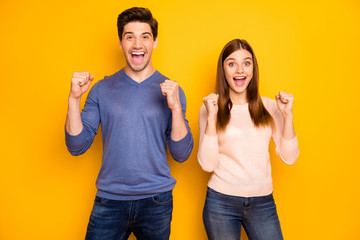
pixel 141 113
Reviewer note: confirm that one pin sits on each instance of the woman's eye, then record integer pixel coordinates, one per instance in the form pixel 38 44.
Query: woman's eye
pixel 247 63
pixel 231 64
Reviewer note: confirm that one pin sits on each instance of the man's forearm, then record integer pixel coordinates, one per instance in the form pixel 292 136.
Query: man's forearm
pixel 178 127
pixel 73 123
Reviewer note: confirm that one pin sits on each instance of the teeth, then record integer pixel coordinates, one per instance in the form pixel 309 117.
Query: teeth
pixel 239 78
pixel 137 53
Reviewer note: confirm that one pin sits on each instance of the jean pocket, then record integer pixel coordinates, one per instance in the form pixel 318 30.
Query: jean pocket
pixel 101 201
pixel 163 198
pixel 265 203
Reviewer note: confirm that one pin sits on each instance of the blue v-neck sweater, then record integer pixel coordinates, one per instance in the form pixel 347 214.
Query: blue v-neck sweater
pixel 136 126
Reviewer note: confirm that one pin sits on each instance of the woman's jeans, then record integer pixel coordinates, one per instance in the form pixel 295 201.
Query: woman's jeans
pixel 147 218
pixel 224 215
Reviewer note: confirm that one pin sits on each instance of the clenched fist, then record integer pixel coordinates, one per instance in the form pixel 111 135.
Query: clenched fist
pixel 170 89
pixel 211 104
pixel 80 83
pixel 285 103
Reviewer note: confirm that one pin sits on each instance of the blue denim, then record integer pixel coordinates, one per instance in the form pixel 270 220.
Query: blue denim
pixel 147 219
pixel 224 215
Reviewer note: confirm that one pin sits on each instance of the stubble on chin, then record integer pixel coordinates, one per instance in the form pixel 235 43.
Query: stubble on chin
pixel 136 68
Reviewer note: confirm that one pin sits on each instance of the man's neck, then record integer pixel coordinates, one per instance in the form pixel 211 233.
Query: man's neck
pixel 139 76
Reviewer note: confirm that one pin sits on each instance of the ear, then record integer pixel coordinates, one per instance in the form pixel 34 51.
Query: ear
pixel 120 44
pixel 155 43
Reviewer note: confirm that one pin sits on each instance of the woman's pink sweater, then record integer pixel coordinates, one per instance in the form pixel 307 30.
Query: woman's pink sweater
pixel 239 157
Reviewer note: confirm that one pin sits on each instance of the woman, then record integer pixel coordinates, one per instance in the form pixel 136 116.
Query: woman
pixel 236 125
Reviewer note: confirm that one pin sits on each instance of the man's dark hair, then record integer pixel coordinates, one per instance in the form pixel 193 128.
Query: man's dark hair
pixel 137 14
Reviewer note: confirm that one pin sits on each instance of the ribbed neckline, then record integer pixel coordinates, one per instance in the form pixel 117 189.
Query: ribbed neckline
pixel 242 106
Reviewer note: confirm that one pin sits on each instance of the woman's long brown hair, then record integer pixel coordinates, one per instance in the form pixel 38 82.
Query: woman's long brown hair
pixel 258 113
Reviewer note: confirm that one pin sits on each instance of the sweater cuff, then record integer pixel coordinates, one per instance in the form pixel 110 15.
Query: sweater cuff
pixel 181 144
pixel 75 141
pixel 289 144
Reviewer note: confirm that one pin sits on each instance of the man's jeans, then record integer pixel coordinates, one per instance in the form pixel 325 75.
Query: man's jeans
pixel 224 215
pixel 147 218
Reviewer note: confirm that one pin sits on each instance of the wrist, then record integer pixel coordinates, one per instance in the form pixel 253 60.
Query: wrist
pixel 73 96
pixel 176 108
pixel 288 116
pixel 211 123
pixel 74 100
pixel 212 118
pixel 210 129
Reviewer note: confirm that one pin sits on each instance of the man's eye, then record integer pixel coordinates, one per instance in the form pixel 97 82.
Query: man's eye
pixel 146 37
pixel 129 37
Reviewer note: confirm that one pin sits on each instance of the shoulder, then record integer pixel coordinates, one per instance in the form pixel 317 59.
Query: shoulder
pixel 113 78
pixel 267 100
pixel 108 80
pixel 105 84
pixel 160 76
pixel 270 104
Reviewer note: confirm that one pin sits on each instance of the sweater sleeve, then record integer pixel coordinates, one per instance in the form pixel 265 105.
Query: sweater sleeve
pixel 208 152
pixel 90 117
pixel 286 149
pixel 181 150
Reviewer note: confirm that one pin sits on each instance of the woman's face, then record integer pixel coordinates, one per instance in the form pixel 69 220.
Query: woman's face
pixel 238 68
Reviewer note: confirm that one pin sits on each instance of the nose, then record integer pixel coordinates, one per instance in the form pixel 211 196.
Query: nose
pixel 137 43
pixel 239 69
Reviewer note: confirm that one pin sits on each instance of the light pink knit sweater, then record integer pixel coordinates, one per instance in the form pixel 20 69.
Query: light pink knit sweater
pixel 239 156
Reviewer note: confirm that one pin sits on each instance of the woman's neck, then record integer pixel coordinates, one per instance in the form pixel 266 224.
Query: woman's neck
pixel 238 98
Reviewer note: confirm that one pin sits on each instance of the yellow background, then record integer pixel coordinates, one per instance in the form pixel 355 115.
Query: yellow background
pixel 308 48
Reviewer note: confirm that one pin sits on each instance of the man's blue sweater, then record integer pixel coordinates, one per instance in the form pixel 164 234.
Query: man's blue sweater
pixel 136 125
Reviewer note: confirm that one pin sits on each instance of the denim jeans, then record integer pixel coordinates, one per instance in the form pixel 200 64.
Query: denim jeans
pixel 224 215
pixel 147 218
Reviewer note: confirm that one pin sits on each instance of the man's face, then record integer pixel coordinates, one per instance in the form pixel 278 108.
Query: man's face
pixel 137 43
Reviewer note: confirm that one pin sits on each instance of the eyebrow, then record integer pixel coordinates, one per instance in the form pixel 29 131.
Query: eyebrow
pixel 234 59
pixel 144 33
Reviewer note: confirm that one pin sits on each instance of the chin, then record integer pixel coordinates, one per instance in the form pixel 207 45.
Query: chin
pixel 137 68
